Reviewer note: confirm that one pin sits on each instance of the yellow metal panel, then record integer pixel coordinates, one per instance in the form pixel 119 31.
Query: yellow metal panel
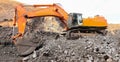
pixel 97 21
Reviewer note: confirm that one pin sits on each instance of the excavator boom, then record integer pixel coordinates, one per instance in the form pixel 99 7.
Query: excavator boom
pixel 45 10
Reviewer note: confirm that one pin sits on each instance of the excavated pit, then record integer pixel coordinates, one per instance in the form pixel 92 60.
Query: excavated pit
pixel 55 48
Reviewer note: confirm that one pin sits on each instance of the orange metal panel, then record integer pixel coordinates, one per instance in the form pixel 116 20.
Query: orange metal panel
pixel 97 21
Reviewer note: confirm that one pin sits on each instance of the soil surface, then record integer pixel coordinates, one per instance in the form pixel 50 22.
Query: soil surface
pixel 56 48
pixel 7 9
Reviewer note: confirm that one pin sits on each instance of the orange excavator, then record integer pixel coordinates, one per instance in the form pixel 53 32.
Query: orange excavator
pixel 72 22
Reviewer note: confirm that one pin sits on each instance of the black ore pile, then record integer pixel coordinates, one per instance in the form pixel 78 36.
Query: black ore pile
pixel 56 48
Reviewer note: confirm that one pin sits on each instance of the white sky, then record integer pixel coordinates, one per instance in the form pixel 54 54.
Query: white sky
pixel 110 9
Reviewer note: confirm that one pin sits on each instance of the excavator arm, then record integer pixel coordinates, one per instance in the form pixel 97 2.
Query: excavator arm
pixel 45 10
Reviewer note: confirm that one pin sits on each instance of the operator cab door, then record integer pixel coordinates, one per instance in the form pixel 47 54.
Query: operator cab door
pixel 75 20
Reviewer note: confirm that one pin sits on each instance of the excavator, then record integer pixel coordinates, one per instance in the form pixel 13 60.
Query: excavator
pixel 72 21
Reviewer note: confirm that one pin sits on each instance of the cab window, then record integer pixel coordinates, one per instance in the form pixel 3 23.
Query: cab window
pixel 79 19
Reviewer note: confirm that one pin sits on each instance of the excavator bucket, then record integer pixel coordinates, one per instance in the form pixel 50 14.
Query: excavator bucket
pixel 31 39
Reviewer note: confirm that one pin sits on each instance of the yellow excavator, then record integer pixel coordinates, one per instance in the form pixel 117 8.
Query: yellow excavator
pixel 72 21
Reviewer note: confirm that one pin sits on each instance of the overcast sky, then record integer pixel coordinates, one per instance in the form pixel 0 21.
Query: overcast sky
pixel 110 9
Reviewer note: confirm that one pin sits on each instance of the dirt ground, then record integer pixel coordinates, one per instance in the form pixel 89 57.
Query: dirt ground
pixel 54 48
pixel 7 9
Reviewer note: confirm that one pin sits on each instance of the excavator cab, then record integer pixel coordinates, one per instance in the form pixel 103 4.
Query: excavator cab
pixel 75 19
